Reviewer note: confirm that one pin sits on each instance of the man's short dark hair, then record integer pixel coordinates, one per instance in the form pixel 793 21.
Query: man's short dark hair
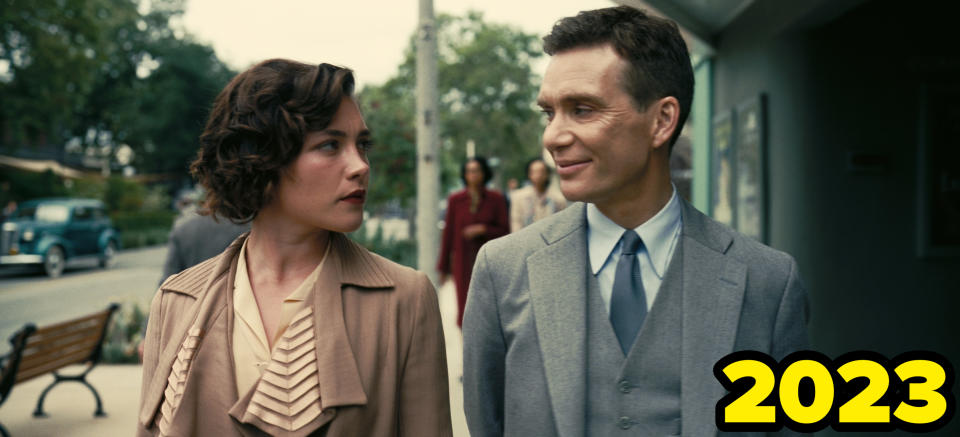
pixel 652 46
pixel 484 166
pixel 256 129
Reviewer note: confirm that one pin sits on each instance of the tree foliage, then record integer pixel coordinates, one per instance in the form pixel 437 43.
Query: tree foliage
pixel 487 92
pixel 90 75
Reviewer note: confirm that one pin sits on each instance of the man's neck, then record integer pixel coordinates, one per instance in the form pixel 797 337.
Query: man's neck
pixel 645 203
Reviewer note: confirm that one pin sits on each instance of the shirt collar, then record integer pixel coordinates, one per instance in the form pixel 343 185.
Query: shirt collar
pixel 603 235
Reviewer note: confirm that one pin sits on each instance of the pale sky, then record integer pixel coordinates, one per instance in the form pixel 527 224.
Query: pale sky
pixel 366 36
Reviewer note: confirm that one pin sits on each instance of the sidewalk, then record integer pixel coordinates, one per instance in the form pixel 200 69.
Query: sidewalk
pixel 70 405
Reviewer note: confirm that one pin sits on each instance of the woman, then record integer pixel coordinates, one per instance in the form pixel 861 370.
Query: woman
pixel 475 215
pixel 293 329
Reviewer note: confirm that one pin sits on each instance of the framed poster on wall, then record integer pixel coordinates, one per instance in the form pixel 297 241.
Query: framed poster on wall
pixel 751 169
pixel 938 172
pixel 724 169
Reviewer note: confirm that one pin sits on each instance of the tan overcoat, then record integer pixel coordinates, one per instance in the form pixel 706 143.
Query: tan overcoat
pixel 367 359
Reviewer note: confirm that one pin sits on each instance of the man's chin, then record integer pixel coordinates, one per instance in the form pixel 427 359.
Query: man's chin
pixel 574 193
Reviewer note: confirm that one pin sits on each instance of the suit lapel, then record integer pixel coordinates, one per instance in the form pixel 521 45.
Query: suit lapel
pixel 558 284
pixel 713 289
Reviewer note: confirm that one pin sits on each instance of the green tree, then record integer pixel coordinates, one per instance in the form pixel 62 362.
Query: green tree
pixel 165 112
pixel 487 92
pixel 90 75
pixel 52 53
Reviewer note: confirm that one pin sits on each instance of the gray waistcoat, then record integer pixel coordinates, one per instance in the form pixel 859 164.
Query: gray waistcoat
pixel 639 394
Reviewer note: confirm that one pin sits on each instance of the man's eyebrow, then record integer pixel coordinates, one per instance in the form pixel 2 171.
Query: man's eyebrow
pixel 573 98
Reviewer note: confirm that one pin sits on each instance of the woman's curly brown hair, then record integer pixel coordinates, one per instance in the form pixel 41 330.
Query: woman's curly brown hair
pixel 256 129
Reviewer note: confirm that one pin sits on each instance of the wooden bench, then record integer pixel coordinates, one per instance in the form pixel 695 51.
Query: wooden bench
pixel 38 351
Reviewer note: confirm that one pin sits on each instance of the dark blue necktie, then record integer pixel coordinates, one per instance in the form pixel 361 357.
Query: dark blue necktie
pixel 628 304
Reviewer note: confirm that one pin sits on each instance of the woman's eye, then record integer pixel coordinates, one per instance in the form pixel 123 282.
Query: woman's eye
pixel 328 145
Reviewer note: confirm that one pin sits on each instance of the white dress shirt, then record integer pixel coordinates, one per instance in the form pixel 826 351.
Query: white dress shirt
pixel 659 234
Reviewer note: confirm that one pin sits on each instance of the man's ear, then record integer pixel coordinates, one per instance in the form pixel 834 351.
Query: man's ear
pixel 665 113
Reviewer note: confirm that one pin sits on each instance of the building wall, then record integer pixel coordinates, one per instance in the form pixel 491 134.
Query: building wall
pixel 851 84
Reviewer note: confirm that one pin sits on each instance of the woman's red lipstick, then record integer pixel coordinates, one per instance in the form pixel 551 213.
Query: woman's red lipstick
pixel 356 197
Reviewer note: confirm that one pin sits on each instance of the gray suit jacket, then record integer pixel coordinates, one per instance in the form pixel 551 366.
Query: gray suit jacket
pixel 524 329
pixel 195 239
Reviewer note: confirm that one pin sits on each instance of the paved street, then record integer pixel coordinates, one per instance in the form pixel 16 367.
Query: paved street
pixel 32 297
pixel 29 296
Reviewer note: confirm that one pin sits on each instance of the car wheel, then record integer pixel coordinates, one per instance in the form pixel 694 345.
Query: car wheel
pixel 53 261
pixel 109 256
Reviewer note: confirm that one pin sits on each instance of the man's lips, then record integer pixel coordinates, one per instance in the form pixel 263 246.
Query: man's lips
pixel 356 196
pixel 570 166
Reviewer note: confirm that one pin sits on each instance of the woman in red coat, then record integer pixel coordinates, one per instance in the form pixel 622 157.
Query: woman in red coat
pixel 475 215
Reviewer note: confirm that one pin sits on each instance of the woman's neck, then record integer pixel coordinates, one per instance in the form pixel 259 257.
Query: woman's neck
pixel 284 251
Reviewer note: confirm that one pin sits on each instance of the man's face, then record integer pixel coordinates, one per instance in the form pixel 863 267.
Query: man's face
pixel 537 173
pixel 600 141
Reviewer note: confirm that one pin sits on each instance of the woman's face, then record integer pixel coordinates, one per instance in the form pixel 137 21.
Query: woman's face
pixel 473 174
pixel 325 187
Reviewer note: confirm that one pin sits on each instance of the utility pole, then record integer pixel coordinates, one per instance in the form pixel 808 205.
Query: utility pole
pixel 427 140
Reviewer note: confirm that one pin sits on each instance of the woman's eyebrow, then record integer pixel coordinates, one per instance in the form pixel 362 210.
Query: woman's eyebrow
pixel 341 134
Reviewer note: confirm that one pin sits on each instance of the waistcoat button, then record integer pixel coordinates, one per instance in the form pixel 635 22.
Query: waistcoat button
pixel 624 422
pixel 624 386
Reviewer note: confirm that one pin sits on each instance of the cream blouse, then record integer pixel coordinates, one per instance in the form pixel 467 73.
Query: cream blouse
pixel 251 353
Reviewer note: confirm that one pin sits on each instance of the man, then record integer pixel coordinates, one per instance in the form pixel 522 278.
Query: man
pixel 196 238
pixel 607 318
pixel 535 201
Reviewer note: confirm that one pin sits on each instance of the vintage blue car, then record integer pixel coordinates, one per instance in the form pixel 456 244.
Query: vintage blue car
pixel 55 232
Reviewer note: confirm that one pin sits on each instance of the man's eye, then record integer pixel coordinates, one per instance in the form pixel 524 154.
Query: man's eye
pixel 582 110
pixel 548 113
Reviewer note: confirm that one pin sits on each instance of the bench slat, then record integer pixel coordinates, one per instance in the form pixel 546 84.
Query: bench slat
pixel 60 325
pixel 48 336
pixel 61 338
pixel 80 346
pixel 64 360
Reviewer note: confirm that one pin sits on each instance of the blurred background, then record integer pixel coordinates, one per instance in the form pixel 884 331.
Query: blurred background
pixel 825 128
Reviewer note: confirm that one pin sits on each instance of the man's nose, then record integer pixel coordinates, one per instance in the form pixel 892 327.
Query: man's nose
pixel 557 134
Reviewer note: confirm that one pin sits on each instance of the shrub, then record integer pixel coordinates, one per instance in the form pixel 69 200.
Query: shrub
pixel 124 335
pixel 399 251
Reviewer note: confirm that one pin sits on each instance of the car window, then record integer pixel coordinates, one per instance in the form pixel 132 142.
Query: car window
pixel 82 213
pixel 26 212
pixel 98 213
pixel 52 213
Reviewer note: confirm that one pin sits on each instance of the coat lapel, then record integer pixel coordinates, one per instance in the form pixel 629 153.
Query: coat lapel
pixel 349 265
pixel 558 284
pixel 337 375
pixel 192 282
pixel 713 290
